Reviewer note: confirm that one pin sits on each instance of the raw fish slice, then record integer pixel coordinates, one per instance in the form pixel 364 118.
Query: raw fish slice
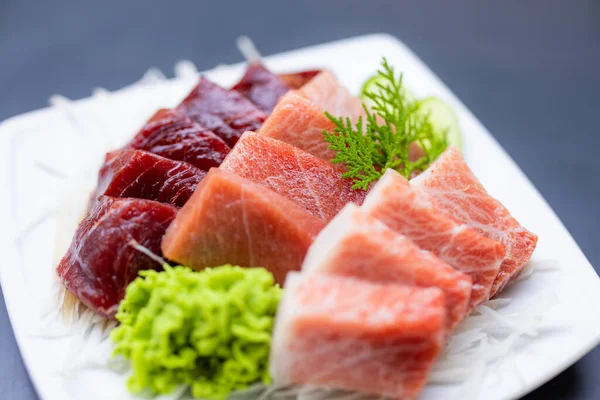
pixel 357 245
pixel 344 333
pixel 410 212
pixel 297 121
pixel 312 183
pixel 172 135
pixel 143 175
pixel 225 112
pixel 230 219
pixel 298 79
pixel 454 188
pixel 262 87
pixel 329 95
pixel 100 262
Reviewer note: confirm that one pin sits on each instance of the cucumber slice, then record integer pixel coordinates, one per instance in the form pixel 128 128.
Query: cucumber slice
pixel 370 85
pixel 443 117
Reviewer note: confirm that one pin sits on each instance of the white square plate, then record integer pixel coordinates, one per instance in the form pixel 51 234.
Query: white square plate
pixel 41 148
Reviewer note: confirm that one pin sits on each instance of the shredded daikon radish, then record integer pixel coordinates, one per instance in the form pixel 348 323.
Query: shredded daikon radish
pixel 525 273
pixel 246 46
pixel 147 252
pixel 464 340
pixel 472 385
pixel 495 304
pixel 547 265
pixel 527 330
pixel 51 171
pixel 185 69
pixel 152 77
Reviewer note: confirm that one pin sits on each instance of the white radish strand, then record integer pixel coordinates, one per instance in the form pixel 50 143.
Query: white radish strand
pixel 185 69
pixel 246 46
pixel 51 171
pixel 147 252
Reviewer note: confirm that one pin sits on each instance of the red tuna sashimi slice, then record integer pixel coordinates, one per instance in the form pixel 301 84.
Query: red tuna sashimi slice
pixel 357 245
pixel 171 134
pixel 298 79
pixel 144 175
pixel 329 95
pixel 230 219
pixel 344 333
pixel 410 212
pixel 314 184
pixel 225 112
pixel 100 262
pixel 297 121
pixel 453 187
pixel 262 87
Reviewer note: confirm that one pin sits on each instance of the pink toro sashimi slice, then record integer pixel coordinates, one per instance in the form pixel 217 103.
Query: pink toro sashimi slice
pixel 329 95
pixel 317 186
pixel 453 187
pixel 227 113
pixel 231 220
pixel 357 245
pixel 297 121
pixel 344 333
pixel 409 211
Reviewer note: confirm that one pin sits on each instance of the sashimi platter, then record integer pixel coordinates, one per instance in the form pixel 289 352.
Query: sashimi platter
pixel 328 223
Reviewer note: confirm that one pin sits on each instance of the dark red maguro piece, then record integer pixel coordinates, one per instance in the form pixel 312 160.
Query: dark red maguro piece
pixel 143 175
pixel 262 87
pixel 225 112
pixel 298 79
pixel 100 262
pixel 171 134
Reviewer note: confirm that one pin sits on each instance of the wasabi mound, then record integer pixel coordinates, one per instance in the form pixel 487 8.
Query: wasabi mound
pixel 210 329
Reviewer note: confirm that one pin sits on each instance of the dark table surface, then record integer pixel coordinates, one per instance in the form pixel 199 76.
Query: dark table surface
pixel 529 70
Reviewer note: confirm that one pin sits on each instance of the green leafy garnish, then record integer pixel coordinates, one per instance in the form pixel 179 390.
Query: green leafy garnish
pixel 394 131
pixel 209 329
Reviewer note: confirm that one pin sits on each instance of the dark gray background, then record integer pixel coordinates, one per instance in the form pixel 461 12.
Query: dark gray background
pixel 529 70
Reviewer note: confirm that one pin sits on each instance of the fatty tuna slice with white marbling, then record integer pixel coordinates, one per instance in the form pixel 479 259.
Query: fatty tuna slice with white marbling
pixel 344 333
pixel 357 245
pixel 328 94
pixel 411 212
pixel 453 187
pixel 299 122
pixel 310 182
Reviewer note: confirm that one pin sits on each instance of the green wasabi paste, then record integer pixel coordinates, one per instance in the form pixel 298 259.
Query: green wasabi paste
pixel 209 329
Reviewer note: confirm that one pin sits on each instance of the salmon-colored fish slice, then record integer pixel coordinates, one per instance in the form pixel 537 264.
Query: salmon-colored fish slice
pixel 411 212
pixel 357 245
pixel 328 94
pixel 317 186
pixel 230 219
pixel 453 187
pixel 297 121
pixel 344 333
